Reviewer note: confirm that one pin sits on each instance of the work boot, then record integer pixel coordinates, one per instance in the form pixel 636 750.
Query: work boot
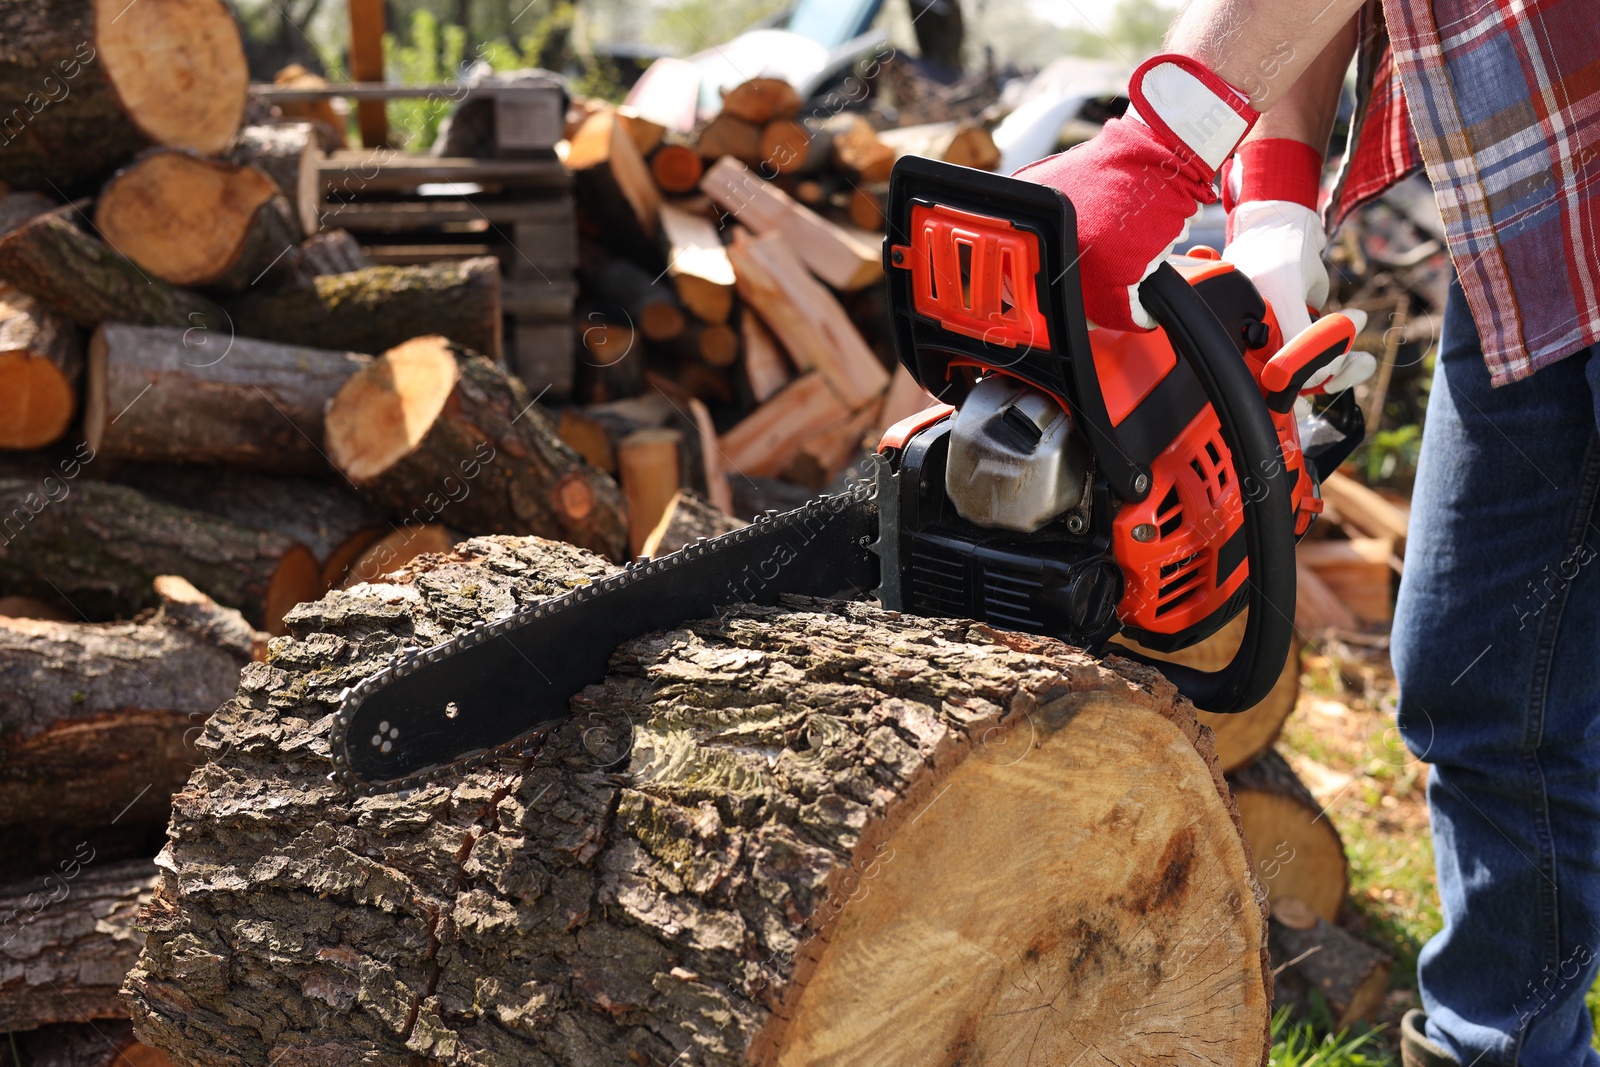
pixel 1415 1048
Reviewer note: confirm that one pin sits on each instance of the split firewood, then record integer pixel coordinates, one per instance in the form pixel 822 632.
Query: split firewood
pixel 90 82
pixel 394 550
pixel 953 142
pixel 649 305
pixel 766 368
pixel 760 100
pixel 68 937
pixel 1309 953
pixel 99 547
pixel 41 362
pixel 857 149
pixel 827 453
pixel 789 146
pixel 728 135
pixel 768 439
pixel 117 703
pixel 611 180
pixel 102 1043
pixel 645 134
pixel 1298 852
pixel 688 518
pixel 1243 736
pixel 837 256
pixel 611 365
pixel 436 434
pixel 373 310
pixel 677 168
pixel 893 786
pixel 903 399
pixel 237 401
pixel 1317 607
pixel 814 329
pixel 287 152
pixel 82 278
pixel 1357 571
pixel 322 115
pixel 328 252
pixel 698 264
pixel 647 467
pixel 1364 509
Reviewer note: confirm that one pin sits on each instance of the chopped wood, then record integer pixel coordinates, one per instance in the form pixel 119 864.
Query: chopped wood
pixel 698 264
pixel 832 253
pixel 857 149
pixel 700 444
pixel 1310 953
pixel 677 168
pixel 1357 571
pixel 78 276
pixel 1317 607
pixel 156 395
pixel 90 82
pixel 896 793
pixel 394 550
pixel 1367 511
pixel 41 362
pixel 869 207
pixel 611 368
pixel 766 368
pixel 374 309
pixel 1243 736
pixel 320 113
pixel 331 252
pixel 963 144
pixel 717 344
pixel 829 452
pixel 99 546
pixel 726 136
pixel 687 518
pixel 646 303
pixel 806 317
pixel 760 100
pixel 612 180
pixel 904 399
pixel 288 153
pixel 70 936
pixel 647 466
pixel 768 439
pixel 1298 852
pixel 436 434
pixel 587 437
pixel 789 146
pixel 645 134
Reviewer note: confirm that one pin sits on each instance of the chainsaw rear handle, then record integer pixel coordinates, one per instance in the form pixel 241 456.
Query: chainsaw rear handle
pixel 1201 340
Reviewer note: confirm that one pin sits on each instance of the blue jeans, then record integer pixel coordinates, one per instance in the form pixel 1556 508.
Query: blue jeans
pixel 1497 650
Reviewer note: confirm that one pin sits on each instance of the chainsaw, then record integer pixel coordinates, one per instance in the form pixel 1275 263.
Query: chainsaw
pixel 1071 482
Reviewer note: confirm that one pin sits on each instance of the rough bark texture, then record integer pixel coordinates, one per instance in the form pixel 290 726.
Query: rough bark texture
pixel 489 462
pixel 373 310
pixel 659 902
pixel 41 361
pixel 67 939
pixel 1311 953
pixel 235 401
pixel 97 722
pixel 53 259
pixel 100 546
pixel 287 153
pixel 87 83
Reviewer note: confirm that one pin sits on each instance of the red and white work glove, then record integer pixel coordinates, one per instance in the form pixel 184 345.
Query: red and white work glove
pixel 1276 237
pixel 1138 183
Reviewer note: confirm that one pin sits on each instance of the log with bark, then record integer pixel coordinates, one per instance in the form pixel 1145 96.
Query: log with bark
pixel 102 1043
pixel 818 834
pixel 88 83
pixel 199 222
pixel 1311 954
pixel 288 153
pixel 677 168
pixel 98 721
pixel 435 434
pixel 762 99
pixel 612 182
pixel 67 939
pixel 53 259
pixel 236 401
pixel 689 517
pixel 647 304
pixel 1298 851
pixel 373 310
pixel 41 361
pixel 98 547
pixel 698 264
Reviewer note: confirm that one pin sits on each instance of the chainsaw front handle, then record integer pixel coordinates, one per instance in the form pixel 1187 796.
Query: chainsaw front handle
pixel 1268 518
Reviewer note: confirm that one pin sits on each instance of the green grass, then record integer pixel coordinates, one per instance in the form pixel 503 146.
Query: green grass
pixel 1300 1043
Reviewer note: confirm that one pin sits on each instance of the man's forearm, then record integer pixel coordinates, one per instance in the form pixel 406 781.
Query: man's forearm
pixel 1263 47
pixel 1306 111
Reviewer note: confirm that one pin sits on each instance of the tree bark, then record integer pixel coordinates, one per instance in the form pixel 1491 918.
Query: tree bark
pixel 98 721
pixel 67 939
pixel 820 834
pixel 79 276
pixel 1311 953
pixel 41 360
pixel 1298 851
pixel 99 546
pixel 375 309
pixel 196 221
pixel 432 434
pixel 237 401
pixel 90 82
pixel 288 153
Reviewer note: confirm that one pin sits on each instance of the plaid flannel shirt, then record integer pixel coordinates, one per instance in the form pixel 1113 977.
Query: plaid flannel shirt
pixel 1500 99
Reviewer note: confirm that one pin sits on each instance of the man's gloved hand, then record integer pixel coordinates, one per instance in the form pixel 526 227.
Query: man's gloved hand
pixel 1276 237
pixel 1138 184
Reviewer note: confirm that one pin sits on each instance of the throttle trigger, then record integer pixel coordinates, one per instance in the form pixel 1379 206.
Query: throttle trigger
pixel 1285 374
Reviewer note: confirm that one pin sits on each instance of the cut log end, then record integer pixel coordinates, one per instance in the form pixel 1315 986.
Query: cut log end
pixel 36 400
pixel 385 410
pixel 395 549
pixel 156 54
pixel 1298 852
pixel 677 168
pixel 297 580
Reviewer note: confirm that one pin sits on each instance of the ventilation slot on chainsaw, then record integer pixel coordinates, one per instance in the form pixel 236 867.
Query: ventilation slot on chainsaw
pixel 938 581
pixel 1179 580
